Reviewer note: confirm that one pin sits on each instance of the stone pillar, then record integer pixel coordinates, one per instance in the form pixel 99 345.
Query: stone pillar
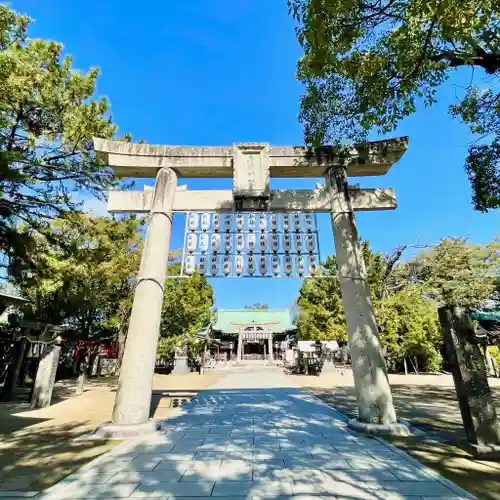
pixel 133 398
pixel 473 392
pixel 45 376
pixel 239 352
pixel 83 376
pixel 490 369
pixel 265 353
pixel 181 364
pixel 373 393
pixel 270 348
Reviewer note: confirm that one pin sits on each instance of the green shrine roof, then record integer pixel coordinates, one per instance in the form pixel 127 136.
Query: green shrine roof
pixel 276 320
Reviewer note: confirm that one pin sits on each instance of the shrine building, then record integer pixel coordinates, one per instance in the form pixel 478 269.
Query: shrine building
pixel 253 334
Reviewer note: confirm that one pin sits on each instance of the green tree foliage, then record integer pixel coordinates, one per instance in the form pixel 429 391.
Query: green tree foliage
pixel 88 283
pixel 457 273
pixel 405 296
pixel 321 312
pixel 48 116
pixel 187 306
pixel 409 327
pixel 367 64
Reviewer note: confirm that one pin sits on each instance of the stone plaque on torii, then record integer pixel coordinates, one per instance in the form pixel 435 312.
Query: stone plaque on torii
pixel 251 165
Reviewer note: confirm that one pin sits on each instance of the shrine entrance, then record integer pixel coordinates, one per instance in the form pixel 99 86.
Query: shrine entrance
pixel 251 231
pixel 254 340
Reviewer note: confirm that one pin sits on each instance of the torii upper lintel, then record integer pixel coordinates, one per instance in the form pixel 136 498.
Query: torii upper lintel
pixel 144 160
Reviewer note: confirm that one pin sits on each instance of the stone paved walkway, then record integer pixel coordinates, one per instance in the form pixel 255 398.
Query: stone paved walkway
pixel 254 435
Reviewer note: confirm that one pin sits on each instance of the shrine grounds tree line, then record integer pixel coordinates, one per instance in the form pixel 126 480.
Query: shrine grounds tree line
pixel 406 295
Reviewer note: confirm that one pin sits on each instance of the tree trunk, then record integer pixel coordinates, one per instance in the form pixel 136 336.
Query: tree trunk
pixel 406 366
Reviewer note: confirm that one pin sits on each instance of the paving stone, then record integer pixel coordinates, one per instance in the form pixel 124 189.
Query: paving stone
pixel 355 476
pixel 208 455
pixel 421 488
pixel 289 475
pixel 96 491
pixel 180 465
pixel 318 463
pixel 337 489
pixel 268 455
pixel 265 489
pixel 238 455
pixel 187 445
pixel 156 476
pixel 92 477
pixel 366 464
pixel 411 474
pixel 263 465
pixel 169 490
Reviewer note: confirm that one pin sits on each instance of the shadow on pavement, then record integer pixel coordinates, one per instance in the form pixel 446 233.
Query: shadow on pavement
pixel 245 443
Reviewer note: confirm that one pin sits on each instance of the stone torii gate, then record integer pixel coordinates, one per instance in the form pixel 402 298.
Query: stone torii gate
pixel 251 165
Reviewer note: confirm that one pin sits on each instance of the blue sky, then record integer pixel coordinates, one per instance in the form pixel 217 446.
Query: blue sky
pixel 215 72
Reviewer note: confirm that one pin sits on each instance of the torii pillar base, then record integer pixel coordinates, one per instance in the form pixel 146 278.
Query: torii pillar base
pixel 110 431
